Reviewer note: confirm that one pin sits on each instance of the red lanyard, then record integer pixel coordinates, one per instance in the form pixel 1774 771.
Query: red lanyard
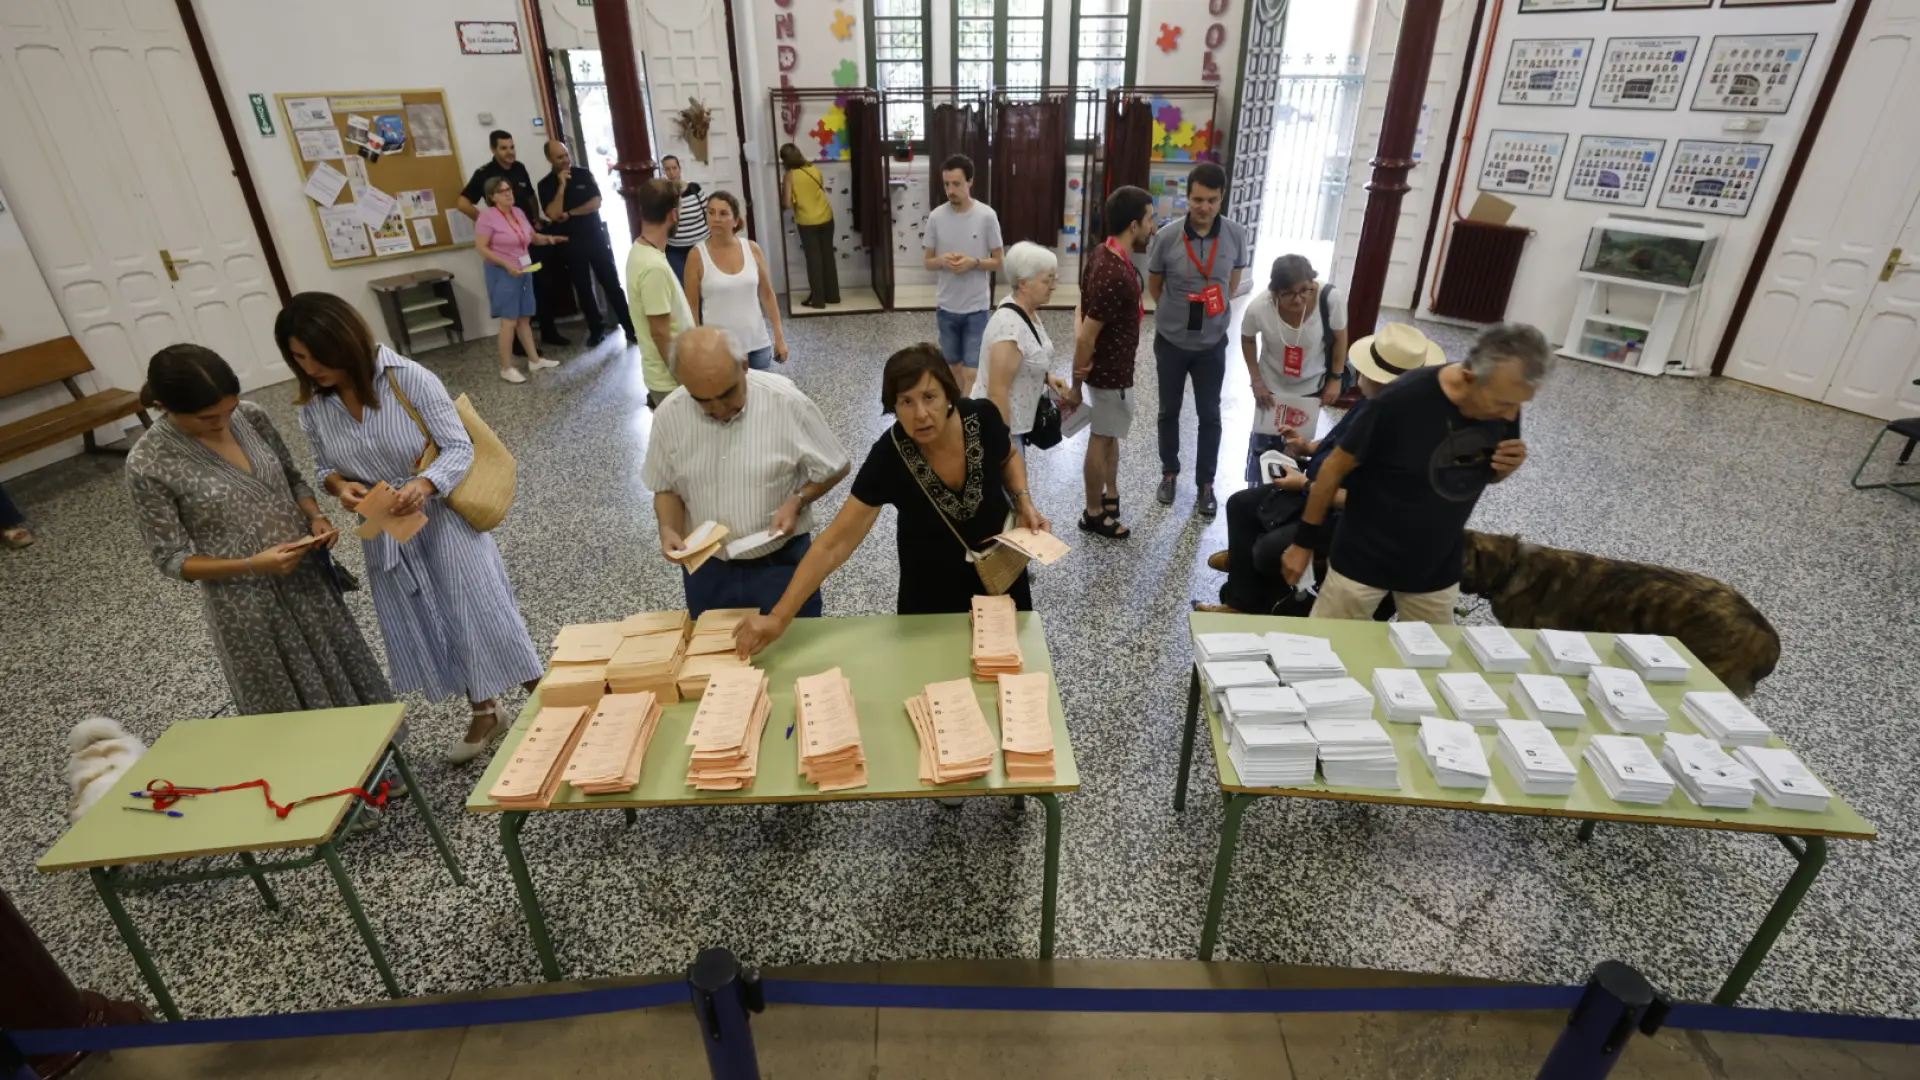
pixel 513 222
pixel 1206 272
pixel 164 793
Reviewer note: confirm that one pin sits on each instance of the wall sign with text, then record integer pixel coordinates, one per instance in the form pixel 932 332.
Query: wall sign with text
pixel 1545 71
pixel 1522 162
pixel 488 38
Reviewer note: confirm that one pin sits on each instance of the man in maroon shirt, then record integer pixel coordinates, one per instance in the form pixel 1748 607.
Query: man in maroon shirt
pixel 1105 338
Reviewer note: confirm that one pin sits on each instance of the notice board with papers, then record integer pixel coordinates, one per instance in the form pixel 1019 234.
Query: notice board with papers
pixel 381 172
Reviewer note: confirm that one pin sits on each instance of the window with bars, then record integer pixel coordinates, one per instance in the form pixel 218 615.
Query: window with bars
pixel 1000 43
pixel 899 56
pixel 1102 56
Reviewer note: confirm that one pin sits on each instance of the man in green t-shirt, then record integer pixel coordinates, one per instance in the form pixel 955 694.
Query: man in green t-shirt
pixel 653 292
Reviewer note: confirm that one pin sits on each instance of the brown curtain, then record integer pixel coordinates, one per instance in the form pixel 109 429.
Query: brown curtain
pixel 959 129
pixel 1030 160
pixel 872 217
pixel 1129 142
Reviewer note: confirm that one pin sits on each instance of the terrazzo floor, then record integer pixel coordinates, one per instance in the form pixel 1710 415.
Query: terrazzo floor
pixel 1709 475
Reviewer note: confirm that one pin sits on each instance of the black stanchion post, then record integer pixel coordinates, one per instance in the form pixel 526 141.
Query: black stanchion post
pixel 723 994
pixel 13 1063
pixel 1618 1001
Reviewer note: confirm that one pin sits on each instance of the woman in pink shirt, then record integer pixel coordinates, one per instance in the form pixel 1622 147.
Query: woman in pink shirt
pixel 503 236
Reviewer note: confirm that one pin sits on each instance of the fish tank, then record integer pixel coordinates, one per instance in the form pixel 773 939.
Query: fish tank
pixel 1650 251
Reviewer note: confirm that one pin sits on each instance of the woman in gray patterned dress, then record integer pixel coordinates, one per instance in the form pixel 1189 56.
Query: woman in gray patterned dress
pixel 222 503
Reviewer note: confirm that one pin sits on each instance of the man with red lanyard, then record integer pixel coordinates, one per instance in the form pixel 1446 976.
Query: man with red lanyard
pixel 1106 335
pixel 1193 270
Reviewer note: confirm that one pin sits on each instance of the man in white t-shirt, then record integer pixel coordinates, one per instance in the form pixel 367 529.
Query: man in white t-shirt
pixel 1294 340
pixel 963 248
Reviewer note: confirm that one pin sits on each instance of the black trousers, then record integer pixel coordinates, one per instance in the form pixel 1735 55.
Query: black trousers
pixel 1261 523
pixel 545 280
pixel 823 272
pixel 588 263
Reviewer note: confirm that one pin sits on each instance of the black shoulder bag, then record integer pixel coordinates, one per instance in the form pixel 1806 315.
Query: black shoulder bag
pixel 1045 434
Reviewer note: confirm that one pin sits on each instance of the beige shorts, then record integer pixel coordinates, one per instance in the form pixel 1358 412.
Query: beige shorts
pixel 1112 411
pixel 1341 597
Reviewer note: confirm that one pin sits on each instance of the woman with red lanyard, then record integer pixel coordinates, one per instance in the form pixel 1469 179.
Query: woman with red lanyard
pixel 1105 338
pixel 503 236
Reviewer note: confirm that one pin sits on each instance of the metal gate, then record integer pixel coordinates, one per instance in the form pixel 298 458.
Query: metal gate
pixel 1253 126
pixel 1313 124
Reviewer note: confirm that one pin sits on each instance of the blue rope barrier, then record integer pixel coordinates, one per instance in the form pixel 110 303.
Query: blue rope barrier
pixel 1084 999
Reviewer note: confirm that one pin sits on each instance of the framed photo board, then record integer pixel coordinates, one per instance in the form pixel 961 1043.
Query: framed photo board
pixel 1522 162
pixel 1616 170
pixel 1643 73
pixel 1709 177
pixel 1537 7
pixel 1545 71
pixel 1752 73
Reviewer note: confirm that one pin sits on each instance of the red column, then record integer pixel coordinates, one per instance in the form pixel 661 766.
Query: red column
pixel 630 141
pixel 35 993
pixel 1412 57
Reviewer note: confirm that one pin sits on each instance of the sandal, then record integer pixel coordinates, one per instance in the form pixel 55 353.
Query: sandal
pixel 1105 525
pixel 463 751
pixel 1111 507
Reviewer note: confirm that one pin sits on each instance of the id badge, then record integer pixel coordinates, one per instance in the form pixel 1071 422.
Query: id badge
pixel 1216 300
pixel 1294 361
pixel 526 261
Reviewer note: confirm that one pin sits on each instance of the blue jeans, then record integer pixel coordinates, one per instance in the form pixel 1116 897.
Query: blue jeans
pixel 752 583
pixel 1258 444
pixel 960 335
pixel 761 359
pixel 1207 367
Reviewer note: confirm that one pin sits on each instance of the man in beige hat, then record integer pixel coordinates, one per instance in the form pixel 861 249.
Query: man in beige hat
pixel 1413 465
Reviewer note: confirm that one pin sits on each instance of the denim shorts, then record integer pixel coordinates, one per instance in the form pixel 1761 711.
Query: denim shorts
pixel 508 296
pixel 761 359
pixel 960 335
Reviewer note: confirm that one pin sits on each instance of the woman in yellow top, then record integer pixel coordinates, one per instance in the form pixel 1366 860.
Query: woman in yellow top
pixel 806 193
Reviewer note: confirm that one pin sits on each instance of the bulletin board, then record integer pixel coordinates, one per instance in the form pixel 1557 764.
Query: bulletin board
pixel 388 155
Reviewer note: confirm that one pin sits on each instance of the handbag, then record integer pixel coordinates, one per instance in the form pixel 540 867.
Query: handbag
pixel 485 494
pixel 1045 433
pixel 998 567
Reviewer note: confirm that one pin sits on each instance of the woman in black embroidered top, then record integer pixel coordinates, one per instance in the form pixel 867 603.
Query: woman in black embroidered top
pixel 948 466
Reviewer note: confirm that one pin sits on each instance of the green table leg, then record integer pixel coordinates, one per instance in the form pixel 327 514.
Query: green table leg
pixel 103 884
pixel 1811 852
pixel 1186 741
pixel 633 817
pixel 510 824
pixel 260 880
pixel 1050 888
pixel 341 879
pixel 1586 829
pixel 1222 870
pixel 425 806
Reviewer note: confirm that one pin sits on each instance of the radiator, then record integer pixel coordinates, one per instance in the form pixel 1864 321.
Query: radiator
pixel 1482 260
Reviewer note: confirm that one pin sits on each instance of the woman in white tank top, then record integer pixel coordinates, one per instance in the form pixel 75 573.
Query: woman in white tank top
pixel 733 299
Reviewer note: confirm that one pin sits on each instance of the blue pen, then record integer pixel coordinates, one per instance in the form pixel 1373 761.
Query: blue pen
pixel 152 795
pixel 151 810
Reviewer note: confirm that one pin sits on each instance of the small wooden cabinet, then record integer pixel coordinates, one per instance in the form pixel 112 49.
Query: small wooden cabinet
pixel 419 303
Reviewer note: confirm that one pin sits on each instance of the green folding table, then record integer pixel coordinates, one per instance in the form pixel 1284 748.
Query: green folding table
pixel 888 658
pixel 1363 646
pixel 299 754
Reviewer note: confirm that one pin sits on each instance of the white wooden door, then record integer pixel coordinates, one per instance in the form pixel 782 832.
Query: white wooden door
pixel 1883 359
pixel 684 43
pixel 1856 195
pixel 112 156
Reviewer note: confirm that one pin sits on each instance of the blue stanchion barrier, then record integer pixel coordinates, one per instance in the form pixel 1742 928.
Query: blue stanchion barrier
pixel 1086 999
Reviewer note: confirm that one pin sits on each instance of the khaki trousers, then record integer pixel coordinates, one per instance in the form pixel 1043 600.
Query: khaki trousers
pixel 1342 597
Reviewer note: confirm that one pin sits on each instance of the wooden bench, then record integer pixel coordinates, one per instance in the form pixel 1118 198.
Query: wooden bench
pixel 43 365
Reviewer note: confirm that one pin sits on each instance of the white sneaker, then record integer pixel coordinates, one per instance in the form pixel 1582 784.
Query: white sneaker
pixel 541 364
pixel 512 375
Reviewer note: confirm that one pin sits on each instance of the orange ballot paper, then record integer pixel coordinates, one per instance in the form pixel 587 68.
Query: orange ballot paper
pixel 1026 727
pixel 828 729
pixel 996 641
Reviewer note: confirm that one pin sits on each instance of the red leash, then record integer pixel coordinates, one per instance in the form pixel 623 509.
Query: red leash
pixel 164 793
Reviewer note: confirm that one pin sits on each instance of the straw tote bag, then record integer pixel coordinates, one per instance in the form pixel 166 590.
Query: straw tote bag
pixel 486 494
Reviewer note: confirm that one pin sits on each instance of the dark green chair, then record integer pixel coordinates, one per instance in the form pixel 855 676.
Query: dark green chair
pixel 1907 428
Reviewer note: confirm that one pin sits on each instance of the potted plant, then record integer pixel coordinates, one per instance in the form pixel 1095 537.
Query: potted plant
pixel 905 133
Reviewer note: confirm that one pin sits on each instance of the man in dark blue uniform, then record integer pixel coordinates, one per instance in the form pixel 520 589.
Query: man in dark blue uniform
pixel 571 198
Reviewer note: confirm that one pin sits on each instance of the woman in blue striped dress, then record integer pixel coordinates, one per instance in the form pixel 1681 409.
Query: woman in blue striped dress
pixel 446 609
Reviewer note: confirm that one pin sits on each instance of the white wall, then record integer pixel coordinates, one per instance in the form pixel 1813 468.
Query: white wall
pixel 361 45
pixel 28 316
pixel 1186 64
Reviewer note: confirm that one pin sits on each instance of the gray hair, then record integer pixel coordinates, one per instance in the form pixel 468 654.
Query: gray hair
pixel 1510 342
pixel 733 346
pixel 1025 261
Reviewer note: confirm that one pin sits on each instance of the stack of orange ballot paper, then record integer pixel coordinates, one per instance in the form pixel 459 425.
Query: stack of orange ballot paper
pixel 613 744
pixel 578 673
pixel 955 742
pixel 831 754
pixel 726 730
pixel 1026 727
pixel 996 640
pixel 533 772
pixel 713 630
pixel 650 654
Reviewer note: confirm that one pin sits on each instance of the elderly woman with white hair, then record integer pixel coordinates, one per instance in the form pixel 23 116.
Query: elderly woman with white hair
pixel 1016 356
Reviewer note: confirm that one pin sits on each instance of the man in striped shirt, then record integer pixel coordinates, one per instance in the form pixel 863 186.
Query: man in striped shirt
pixel 747 450
pixel 692 228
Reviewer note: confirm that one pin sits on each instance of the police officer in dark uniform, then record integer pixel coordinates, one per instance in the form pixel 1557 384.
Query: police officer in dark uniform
pixel 472 197
pixel 571 198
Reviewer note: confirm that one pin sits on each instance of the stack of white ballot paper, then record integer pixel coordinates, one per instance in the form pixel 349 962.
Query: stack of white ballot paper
pixel 1470 697
pixel 1299 658
pixel 1625 702
pixel 1496 649
pixel 1219 676
pixel 1535 758
pixel 1706 773
pixel 1275 755
pixel 1548 699
pixel 1724 719
pixel 1402 694
pixel 1335 699
pixel 1418 645
pixel 1628 770
pixel 1654 659
pixel 1567 652
pixel 1784 781
pixel 1262 706
pixel 1454 753
pixel 1211 647
pixel 1356 753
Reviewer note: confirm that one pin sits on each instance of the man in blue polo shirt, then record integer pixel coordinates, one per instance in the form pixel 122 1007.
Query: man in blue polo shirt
pixel 1193 270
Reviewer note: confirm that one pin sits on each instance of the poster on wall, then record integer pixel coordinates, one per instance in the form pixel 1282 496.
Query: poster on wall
pixel 1545 71
pixel 1522 162
pixel 429 123
pixel 319 145
pixel 1710 177
pixel 1643 73
pixel 1752 74
pixel 1530 7
pixel 346 236
pixel 1769 3
pixel 1643 5
pixel 1614 169
pixel 308 113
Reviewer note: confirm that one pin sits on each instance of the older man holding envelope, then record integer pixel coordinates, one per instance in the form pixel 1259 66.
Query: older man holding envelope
pixel 737 459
